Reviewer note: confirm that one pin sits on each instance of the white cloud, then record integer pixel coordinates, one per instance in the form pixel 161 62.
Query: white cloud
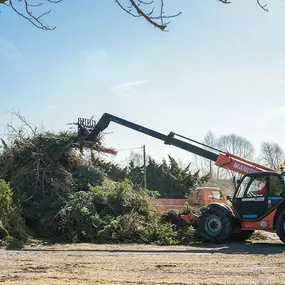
pixel 8 50
pixel 128 87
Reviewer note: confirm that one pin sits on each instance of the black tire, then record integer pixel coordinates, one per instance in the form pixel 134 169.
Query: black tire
pixel 280 227
pixel 242 235
pixel 215 224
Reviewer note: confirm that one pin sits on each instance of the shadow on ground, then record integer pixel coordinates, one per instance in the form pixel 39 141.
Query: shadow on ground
pixel 204 248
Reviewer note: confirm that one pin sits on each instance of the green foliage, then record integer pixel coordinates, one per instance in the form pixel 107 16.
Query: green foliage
pixel 118 212
pixel 258 235
pixel 6 202
pixel 78 219
pixel 12 243
pixel 184 234
pixel 44 170
pixel 172 181
pixel 112 171
pixel 11 222
pixel 160 232
pixel 187 209
pixel 88 176
pixel 153 194
pixel 124 229
pixel 121 198
pixel 172 216
pixel 164 180
pixel 103 211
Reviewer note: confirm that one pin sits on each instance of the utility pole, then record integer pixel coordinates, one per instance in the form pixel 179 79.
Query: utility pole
pixel 144 167
pixel 218 174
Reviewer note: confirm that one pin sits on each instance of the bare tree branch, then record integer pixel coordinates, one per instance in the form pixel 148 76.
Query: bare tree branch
pixel 137 8
pixel 272 154
pixel 150 10
pixel 225 1
pixel 262 6
pixel 25 9
pixel 237 145
pixel 25 130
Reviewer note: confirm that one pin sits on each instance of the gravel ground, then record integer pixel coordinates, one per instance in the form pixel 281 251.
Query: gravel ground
pixel 233 263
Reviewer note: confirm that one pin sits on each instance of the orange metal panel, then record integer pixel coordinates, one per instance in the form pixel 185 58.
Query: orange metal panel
pixel 265 224
pixel 239 164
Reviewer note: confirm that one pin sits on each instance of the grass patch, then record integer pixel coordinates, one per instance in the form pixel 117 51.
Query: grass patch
pixel 258 235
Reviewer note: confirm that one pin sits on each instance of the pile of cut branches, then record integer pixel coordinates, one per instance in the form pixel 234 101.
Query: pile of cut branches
pixel 58 194
pixel 43 169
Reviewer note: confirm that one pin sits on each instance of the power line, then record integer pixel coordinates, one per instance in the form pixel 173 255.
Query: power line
pixel 123 149
pixel 144 162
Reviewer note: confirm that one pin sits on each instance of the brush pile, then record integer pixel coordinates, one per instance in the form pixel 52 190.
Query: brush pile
pixel 43 170
pixel 53 192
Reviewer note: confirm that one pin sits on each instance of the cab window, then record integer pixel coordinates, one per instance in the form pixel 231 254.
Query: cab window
pixel 276 186
pixel 252 186
pixel 215 194
pixel 257 187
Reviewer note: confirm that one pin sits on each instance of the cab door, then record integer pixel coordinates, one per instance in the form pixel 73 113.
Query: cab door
pixel 276 190
pixel 251 199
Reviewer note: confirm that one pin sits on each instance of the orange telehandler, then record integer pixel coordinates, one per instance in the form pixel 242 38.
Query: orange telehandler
pixel 258 202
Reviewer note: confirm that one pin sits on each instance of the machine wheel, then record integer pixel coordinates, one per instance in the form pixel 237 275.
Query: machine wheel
pixel 215 224
pixel 280 227
pixel 242 235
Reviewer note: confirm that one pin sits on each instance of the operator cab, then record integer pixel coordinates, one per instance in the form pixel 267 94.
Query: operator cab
pixel 258 194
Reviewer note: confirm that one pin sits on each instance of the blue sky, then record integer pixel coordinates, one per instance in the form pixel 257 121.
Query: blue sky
pixel 219 68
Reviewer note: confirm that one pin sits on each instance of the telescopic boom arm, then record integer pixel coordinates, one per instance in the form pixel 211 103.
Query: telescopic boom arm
pixel 90 130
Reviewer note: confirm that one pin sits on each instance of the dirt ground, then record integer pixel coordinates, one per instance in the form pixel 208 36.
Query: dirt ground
pixel 233 263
